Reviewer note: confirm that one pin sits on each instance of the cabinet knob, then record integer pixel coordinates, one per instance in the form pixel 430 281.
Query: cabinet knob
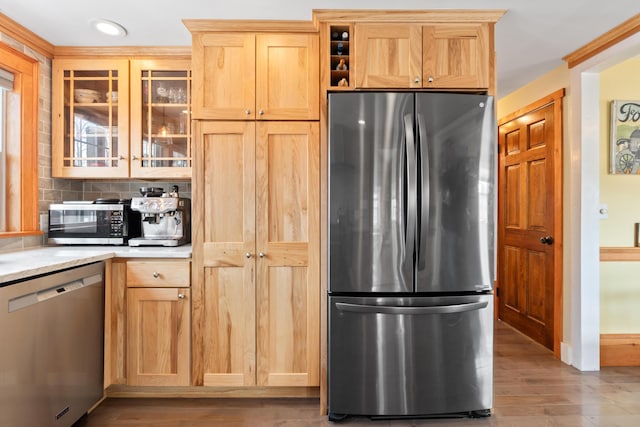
pixel 134 157
pixel 181 296
pixel 247 111
pixel 430 79
pixel 261 112
pixel 416 80
pixel 121 157
pixel 247 255
pixel 155 274
pixel 262 254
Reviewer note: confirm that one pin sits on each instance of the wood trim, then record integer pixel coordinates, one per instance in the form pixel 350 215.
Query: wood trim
pixel 558 244
pixel 620 350
pixel 409 16
pixel 209 392
pixel 132 52
pixel 25 36
pixel 265 26
pixel 542 102
pixel 619 253
pixel 605 41
pixel 26 85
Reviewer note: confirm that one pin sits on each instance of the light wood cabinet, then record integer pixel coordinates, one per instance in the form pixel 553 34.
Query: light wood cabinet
pixel 411 55
pixel 256 254
pixel 158 336
pixel 158 322
pixel 109 122
pixel 160 118
pixel 90 127
pixel 246 76
pixel 148 322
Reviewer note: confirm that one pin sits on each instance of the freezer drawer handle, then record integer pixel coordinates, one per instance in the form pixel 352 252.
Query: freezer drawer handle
pixel 437 309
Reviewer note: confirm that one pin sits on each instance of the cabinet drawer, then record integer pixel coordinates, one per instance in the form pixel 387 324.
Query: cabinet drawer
pixel 158 274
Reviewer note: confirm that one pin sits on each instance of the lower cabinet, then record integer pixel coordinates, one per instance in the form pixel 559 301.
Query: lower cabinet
pixel 148 323
pixel 158 321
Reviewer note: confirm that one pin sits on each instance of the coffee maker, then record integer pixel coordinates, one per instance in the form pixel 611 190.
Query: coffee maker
pixel 166 218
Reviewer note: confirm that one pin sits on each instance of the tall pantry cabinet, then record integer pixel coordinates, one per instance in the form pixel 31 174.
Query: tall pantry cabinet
pixel 256 225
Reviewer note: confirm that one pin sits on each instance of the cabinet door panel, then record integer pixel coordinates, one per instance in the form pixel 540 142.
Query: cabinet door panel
pixel 158 330
pixel 223 235
pixel 388 56
pixel 287 224
pixel 456 55
pixel 287 77
pixel 223 76
pixel 89 128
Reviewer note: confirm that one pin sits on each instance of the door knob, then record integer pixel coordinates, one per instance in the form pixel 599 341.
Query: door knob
pixel 546 240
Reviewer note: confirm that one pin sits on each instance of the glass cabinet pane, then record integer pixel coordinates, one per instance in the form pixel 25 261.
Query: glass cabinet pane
pixel 90 118
pixel 166 117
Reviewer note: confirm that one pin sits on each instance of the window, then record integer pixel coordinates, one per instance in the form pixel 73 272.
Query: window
pixel 19 170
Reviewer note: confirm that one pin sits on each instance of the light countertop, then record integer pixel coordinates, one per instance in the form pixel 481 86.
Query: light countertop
pixel 15 265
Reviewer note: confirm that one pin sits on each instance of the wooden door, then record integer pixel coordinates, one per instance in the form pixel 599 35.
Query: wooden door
pixel 456 55
pixel 530 230
pixel 158 332
pixel 287 77
pixel 287 242
pixel 223 76
pixel 223 232
pixel 388 56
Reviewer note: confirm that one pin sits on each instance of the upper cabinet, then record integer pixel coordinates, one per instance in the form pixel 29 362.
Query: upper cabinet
pixel 115 118
pixel 450 50
pixel 90 123
pixel 439 56
pixel 160 119
pixel 261 76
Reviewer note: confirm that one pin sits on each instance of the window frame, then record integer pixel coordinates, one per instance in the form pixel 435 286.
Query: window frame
pixel 22 198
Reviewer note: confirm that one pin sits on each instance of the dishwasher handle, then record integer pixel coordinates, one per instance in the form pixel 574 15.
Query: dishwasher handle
pixel 436 309
pixel 27 300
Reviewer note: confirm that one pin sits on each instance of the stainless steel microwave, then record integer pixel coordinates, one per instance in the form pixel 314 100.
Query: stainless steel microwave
pixel 77 223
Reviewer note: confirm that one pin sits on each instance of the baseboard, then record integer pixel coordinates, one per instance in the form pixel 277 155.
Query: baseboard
pixel 565 353
pixel 116 390
pixel 620 350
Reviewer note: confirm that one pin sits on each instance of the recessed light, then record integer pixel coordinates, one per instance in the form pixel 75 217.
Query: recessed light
pixel 109 27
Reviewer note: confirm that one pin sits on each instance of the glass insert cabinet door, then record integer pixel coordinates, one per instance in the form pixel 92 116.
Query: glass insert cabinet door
pixel 160 119
pixel 91 118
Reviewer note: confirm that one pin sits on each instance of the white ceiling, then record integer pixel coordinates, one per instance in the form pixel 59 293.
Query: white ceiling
pixel 531 38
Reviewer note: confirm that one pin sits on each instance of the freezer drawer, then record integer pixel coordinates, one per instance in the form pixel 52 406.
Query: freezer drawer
pixel 410 356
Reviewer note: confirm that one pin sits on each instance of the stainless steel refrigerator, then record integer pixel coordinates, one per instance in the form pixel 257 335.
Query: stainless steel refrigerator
pixel 412 215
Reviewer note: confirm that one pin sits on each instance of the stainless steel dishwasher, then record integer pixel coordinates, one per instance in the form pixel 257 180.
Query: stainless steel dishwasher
pixel 51 347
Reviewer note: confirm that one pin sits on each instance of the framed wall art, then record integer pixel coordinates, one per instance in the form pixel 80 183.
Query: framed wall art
pixel 625 137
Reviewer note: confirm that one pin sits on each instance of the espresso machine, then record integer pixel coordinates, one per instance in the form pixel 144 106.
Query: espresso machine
pixel 166 218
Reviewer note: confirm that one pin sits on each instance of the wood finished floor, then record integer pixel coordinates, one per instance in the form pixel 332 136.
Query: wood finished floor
pixel 531 387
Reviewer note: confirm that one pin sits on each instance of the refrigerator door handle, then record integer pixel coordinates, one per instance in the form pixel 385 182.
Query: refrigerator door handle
pixel 411 185
pixel 437 309
pixel 424 184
